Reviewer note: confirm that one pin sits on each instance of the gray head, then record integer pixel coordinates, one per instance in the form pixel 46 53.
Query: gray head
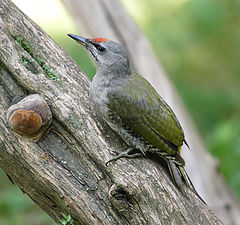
pixel 107 54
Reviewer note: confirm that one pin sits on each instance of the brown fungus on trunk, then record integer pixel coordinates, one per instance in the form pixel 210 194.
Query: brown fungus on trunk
pixel 30 118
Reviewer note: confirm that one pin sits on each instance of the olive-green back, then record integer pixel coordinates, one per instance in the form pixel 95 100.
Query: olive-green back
pixel 141 108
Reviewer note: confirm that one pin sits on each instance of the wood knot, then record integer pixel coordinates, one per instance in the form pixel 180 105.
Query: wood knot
pixel 121 200
pixel 30 117
pixel 118 193
pixel 124 201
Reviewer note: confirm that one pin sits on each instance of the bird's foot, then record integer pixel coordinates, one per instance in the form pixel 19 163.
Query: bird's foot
pixel 125 154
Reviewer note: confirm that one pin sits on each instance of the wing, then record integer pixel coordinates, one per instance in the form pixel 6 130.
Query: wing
pixel 141 108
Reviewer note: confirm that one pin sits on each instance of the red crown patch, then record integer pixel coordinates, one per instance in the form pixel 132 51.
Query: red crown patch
pixel 100 40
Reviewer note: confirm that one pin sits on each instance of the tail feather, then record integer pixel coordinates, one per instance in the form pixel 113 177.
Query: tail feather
pixel 186 143
pixel 179 174
pixel 176 176
pixel 189 183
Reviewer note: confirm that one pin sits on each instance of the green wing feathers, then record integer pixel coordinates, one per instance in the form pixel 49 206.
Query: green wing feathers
pixel 140 107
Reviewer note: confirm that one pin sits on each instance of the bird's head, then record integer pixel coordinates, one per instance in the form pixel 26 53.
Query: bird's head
pixel 106 53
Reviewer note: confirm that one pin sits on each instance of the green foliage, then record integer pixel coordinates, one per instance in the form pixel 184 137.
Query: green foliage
pixel 67 220
pixel 17 208
pixel 224 142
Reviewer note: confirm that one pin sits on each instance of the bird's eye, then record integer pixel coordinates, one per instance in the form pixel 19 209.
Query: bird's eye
pixel 101 48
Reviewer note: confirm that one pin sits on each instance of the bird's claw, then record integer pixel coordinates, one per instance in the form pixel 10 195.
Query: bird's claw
pixel 125 154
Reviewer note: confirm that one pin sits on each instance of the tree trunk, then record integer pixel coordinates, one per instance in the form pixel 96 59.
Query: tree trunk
pixel 65 173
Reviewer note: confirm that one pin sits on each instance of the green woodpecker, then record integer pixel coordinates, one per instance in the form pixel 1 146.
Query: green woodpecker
pixel 134 109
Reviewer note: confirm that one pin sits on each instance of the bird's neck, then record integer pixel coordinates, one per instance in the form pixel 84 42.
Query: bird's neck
pixel 113 75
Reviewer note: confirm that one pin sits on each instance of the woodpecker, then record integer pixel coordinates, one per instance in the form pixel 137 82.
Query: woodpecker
pixel 134 109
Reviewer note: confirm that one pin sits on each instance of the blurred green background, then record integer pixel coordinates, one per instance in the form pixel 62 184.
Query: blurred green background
pixel 198 45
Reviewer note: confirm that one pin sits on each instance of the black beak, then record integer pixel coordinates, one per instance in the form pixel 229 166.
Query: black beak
pixel 83 41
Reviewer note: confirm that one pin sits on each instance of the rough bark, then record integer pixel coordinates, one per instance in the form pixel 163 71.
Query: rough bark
pixel 112 21
pixel 66 172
